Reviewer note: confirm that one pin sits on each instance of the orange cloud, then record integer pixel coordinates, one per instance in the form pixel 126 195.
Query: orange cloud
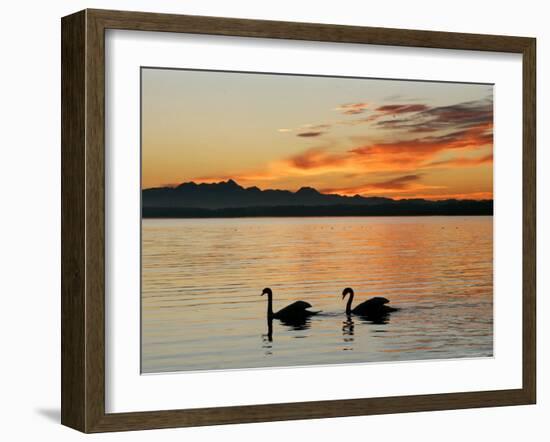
pixel 463 162
pixel 314 161
pixel 417 153
pixel 464 127
pixel 401 182
pixel 316 158
pixel 407 156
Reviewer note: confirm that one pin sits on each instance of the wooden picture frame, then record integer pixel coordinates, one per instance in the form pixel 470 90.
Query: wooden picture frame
pixel 83 220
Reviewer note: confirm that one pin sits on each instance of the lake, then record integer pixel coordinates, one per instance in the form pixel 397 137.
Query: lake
pixel 202 280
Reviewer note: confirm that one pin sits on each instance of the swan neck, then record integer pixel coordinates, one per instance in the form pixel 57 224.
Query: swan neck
pixel 348 305
pixel 269 305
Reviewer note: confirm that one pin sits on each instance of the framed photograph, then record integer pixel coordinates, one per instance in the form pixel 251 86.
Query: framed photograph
pixel 269 220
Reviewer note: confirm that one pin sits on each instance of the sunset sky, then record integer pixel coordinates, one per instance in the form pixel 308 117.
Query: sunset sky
pixel 393 138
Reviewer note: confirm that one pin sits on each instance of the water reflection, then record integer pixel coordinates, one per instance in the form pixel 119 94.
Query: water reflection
pixel 348 327
pixel 297 324
pixel 267 339
pixel 375 319
pixel 301 324
pixel 269 334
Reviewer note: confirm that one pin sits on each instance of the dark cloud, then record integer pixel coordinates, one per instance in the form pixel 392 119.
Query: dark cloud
pixel 476 111
pixel 401 182
pixel 396 123
pixel 457 116
pixel 310 134
pixel 402 108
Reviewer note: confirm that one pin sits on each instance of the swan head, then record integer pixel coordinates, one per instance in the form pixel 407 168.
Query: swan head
pixel 267 291
pixel 347 291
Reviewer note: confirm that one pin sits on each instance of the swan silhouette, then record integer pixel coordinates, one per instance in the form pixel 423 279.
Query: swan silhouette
pixel 374 308
pixel 295 313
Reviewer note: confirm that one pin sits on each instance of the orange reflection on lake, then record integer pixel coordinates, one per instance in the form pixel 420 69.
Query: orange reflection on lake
pixel 202 280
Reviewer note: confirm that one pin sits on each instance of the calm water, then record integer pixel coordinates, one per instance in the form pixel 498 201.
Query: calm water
pixel 202 279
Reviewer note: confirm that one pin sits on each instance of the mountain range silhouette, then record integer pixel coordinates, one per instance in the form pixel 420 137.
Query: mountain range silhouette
pixel 229 199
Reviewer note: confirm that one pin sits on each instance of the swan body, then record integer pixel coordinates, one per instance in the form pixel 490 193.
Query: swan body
pixel 294 312
pixel 297 308
pixel 375 307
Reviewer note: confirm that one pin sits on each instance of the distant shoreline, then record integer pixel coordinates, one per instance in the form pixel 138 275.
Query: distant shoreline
pixel 445 208
pixel 311 216
pixel 227 199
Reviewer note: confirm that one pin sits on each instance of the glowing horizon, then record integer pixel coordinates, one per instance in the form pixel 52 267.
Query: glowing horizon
pixel 389 138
